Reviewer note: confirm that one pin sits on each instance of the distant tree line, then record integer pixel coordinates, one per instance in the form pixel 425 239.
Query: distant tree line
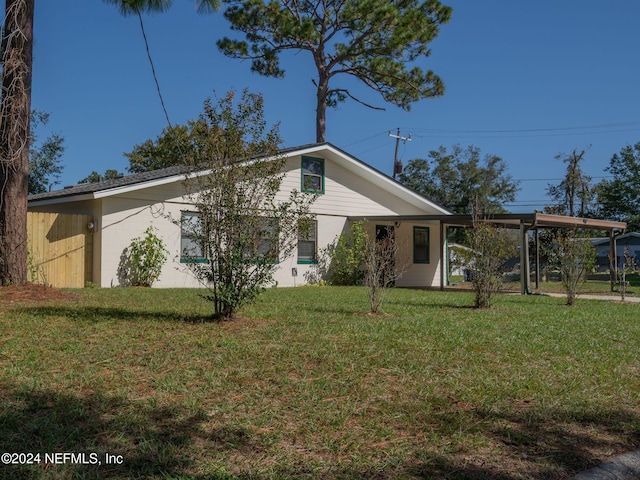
pixel 453 177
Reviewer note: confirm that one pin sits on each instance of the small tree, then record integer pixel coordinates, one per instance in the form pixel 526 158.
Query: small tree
pixel 382 266
pixel 141 263
pixel 574 257
pixel 243 224
pixel 489 247
pixel 629 266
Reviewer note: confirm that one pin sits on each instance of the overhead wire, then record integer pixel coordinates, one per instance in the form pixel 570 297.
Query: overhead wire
pixel 158 89
pixel 596 129
pixel 153 69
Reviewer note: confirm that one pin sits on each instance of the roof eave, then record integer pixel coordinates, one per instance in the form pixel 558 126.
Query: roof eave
pixel 62 199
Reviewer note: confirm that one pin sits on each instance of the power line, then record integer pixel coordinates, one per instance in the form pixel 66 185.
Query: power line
pixel 171 130
pixel 534 130
pixel 556 179
pixel 365 139
pixel 153 69
pixel 543 135
pixel 596 129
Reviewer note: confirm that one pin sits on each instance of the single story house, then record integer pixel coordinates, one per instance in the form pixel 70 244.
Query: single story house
pixel 78 235
pixel 119 210
pixel 628 242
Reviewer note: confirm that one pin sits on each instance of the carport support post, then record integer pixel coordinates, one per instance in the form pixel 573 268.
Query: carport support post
pixel 537 232
pixel 613 260
pixel 525 281
pixel 444 254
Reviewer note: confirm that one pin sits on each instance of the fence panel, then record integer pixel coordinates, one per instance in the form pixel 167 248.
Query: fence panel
pixel 60 249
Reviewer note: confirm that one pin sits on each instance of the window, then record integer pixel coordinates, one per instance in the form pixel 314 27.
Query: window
pixel 420 244
pixel 191 247
pixel 312 175
pixel 307 242
pixel 264 240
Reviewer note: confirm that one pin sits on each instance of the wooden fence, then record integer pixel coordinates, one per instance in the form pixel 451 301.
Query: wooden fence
pixel 60 249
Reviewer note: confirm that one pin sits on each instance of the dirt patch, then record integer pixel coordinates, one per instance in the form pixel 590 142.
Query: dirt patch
pixel 31 293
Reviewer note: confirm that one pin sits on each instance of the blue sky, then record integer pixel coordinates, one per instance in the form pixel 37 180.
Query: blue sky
pixel 524 81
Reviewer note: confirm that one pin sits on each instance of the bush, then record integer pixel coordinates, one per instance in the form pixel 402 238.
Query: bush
pixel 489 249
pixel 141 263
pixel 574 257
pixel 346 256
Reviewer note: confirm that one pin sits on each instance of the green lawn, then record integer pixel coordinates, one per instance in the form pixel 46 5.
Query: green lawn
pixel 599 285
pixel 306 385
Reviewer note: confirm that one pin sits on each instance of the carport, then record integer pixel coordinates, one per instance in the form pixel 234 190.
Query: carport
pixel 525 222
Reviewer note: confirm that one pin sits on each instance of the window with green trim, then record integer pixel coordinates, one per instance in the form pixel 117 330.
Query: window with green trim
pixel 312 175
pixel 307 242
pixel 191 247
pixel 420 244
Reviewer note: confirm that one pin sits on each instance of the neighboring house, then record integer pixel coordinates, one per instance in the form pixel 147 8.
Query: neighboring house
pixel 458 264
pixel 628 241
pixel 121 209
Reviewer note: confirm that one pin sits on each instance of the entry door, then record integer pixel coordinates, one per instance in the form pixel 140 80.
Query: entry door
pixel 385 238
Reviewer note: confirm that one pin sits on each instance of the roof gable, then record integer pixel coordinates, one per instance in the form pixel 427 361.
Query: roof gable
pixel 137 181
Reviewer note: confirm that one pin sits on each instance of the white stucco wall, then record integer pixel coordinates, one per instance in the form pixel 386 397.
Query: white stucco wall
pixel 125 218
pixel 414 274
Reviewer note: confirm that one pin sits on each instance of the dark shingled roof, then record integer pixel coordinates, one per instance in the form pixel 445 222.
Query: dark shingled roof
pixel 124 181
pixel 127 180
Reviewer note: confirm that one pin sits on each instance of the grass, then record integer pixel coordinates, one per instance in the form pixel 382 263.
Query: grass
pixel 305 384
pixel 600 285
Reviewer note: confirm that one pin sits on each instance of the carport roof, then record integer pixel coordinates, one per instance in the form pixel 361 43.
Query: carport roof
pixel 508 220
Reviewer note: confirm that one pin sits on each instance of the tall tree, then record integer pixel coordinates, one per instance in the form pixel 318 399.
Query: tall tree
pixel 175 146
pixel 455 179
pixel 95 177
pixel 15 113
pixel 44 158
pixel 573 194
pixel 135 7
pixel 378 42
pixel 619 198
pixel 15 108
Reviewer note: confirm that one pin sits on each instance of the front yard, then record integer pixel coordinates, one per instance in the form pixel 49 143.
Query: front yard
pixel 306 384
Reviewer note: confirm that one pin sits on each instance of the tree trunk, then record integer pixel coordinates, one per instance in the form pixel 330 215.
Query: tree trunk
pixel 15 109
pixel 321 109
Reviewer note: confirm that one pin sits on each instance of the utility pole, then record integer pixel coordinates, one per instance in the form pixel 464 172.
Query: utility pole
pixel 397 164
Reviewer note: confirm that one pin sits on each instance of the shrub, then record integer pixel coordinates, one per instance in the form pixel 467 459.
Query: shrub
pixel 142 261
pixel 574 257
pixel 346 256
pixel 489 249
